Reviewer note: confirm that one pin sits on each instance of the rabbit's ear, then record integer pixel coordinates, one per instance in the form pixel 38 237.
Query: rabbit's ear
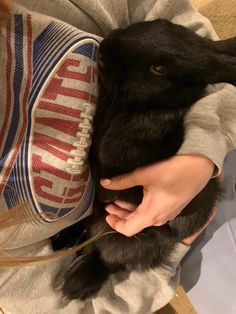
pixel 222 67
pixel 227 46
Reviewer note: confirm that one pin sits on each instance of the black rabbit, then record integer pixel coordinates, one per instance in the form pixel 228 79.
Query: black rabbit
pixel 150 74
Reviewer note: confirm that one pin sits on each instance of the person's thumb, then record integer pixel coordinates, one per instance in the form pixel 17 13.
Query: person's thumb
pixel 121 182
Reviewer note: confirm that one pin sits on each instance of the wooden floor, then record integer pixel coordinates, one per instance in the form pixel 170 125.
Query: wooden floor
pixel 179 305
pixel 222 14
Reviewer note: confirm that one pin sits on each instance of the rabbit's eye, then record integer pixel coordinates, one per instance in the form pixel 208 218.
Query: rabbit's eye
pixel 158 70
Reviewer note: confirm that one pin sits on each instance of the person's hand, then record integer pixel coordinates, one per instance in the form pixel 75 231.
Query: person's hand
pixel 168 187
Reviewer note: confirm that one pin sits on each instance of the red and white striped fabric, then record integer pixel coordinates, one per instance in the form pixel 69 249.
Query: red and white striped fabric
pixel 45 129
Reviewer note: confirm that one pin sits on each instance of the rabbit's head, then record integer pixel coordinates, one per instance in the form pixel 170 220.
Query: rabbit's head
pixel 162 65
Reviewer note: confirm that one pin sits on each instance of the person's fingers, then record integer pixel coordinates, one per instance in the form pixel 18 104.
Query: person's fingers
pixel 117 211
pixel 162 218
pixel 134 222
pixel 161 222
pixel 128 227
pixel 123 182
pixel 125 205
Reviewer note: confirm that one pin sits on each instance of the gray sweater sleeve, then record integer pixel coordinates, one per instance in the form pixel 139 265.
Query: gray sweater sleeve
pixel 211 125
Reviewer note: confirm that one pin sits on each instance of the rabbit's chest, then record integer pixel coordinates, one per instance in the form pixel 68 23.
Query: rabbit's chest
pixel 129 142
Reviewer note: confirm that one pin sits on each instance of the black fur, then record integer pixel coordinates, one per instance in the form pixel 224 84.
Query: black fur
pixel 139 121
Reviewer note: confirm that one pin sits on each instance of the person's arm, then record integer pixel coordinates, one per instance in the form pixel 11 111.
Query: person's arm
pixel 211 125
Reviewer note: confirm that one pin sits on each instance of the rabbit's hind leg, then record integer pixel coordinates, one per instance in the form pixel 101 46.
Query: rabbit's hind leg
pixel 85 277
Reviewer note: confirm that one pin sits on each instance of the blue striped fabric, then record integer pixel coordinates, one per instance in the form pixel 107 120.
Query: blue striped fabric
pixel 17 81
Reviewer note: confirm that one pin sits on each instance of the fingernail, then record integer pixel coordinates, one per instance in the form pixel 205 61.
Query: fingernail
pixel 105 182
